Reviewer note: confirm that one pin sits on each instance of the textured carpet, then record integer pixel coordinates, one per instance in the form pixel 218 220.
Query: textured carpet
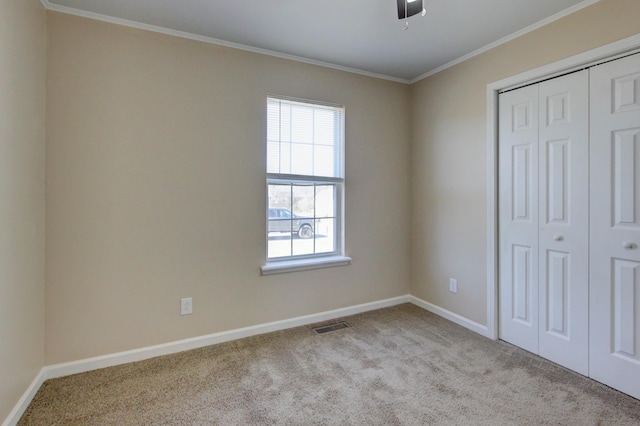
pixel 394 366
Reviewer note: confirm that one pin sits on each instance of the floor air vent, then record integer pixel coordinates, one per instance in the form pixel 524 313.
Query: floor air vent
pixel 331 327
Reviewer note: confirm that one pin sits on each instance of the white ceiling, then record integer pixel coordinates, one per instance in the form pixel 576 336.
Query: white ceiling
pixel 361 35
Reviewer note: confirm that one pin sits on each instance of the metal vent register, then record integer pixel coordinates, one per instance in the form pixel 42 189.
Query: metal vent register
pixel 331 327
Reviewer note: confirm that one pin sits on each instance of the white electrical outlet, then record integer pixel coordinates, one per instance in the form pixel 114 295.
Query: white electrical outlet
pixel 186 306
pixel 453 285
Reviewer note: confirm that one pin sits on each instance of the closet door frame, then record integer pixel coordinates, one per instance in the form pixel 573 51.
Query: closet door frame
pixel 608 52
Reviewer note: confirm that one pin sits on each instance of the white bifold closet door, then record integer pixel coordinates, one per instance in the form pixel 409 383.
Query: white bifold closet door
pixel 544 219
pixel 615 225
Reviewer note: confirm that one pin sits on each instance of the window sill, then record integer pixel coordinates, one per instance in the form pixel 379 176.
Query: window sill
pixel 285 266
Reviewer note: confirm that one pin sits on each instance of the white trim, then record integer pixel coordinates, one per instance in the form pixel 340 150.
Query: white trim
pixel 510 37
pixel 24 401
pixel 451 316
pixel 211 40
pixel 599 54
pixel 183 34
pixel 81 366
pixel 492 215
pixel 89 364
pixel 281 267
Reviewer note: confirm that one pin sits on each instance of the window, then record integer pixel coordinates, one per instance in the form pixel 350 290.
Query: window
pixel 305 185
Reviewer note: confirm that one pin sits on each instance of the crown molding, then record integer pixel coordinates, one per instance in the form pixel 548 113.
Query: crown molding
pixel 510 37
pixel 210 40
pixel 183 34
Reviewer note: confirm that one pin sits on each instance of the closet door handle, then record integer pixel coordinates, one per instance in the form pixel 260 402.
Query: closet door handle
pixel 628 246
pixel 558 238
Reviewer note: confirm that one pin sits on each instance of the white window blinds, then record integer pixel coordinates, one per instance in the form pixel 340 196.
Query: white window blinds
pixel 304 139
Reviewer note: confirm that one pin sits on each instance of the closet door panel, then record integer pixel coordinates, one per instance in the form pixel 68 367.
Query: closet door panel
pixel 518 194
pixel 614 348
pixel 564 220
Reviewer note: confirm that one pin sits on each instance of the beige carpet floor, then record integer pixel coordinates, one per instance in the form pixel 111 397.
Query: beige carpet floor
pixel 394 366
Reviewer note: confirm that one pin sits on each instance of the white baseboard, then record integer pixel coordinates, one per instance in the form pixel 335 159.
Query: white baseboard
pixel 84 365
pixel 81 366
pixel 25 400
pixel 451 316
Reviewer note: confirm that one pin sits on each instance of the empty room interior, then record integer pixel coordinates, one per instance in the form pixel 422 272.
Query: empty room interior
pixel 482 183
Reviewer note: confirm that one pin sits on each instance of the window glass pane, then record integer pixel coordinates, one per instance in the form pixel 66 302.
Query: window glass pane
pixel 302 246
pixel 280 196
pixel 303 200
pixel 325 236
pixel 279 221
pixel 279 245
pixel 279 210
pixel 302 219
pixel 325 201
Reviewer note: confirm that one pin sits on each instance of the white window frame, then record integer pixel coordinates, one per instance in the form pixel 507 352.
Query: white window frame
pixel 317 260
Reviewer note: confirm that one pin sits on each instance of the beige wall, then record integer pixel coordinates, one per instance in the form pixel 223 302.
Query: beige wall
pixel 22 136
pixel 449 169
pixel 155 183
pixel 156 189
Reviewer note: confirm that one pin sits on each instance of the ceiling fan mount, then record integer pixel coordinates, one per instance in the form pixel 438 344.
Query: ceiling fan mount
pixel 407 8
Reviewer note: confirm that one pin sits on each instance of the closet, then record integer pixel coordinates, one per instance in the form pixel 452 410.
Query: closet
pixel 569 221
